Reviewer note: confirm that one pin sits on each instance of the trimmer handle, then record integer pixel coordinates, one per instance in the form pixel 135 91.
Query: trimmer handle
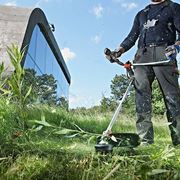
pixel 111 57
pixel 107 51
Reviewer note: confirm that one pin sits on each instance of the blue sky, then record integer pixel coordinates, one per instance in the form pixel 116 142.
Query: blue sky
pixel 83 29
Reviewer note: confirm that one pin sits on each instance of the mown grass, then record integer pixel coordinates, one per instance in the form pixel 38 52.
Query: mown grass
pixel 43 154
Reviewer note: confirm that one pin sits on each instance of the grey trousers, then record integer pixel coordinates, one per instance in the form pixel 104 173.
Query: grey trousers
pixel 167 76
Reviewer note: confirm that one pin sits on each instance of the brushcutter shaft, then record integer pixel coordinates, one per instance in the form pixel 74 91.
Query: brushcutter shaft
pixel 114 118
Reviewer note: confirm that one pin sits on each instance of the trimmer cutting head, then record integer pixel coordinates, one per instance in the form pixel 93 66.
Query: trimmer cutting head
pixel 129 140
pixel 104 148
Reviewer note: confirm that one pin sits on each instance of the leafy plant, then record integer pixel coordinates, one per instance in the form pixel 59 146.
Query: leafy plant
pixel 67 132
pixel 48 155
pixel 158 103
pixel 16 79
pixel 3 81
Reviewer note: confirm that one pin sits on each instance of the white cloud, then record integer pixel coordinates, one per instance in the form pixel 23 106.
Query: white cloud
pixel 39 2
pixel 96 39
pixel 11 3
pixel 67 54
pixel 129 6
pixel 98 11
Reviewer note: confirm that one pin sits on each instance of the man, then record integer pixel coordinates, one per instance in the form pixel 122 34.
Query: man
pixel 157 28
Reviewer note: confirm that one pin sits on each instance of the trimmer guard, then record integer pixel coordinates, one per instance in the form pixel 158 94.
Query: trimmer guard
pixel 104 148
pixel 122 140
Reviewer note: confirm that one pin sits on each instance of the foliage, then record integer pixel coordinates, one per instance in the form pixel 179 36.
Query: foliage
pixel 50 155
pixel 157 100
pixel 58 144
pixel 24 86
pixel 3 81
pixel 108 104
pixel 30 80
pixel 62 102
pixel 44 89
pixel 16 80
pixel 118 87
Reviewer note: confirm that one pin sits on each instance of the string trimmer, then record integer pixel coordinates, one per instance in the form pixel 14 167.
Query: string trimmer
pixel 108 140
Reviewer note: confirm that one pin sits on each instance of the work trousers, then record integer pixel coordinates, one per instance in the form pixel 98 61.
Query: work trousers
pixel 167 77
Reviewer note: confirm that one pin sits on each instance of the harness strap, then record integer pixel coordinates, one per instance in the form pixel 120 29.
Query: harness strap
pixel 146 11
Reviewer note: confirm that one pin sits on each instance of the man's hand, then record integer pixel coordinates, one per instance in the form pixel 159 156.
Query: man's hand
pixel 118 52
pixel 113 55
pixel 172 51
pixel 112 59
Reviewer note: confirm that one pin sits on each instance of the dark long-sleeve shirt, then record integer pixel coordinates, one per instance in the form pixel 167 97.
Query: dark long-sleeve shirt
pixel 166 30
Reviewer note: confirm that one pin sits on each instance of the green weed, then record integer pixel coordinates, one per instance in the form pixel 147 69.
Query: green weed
pixel 49 155
pixel 43 142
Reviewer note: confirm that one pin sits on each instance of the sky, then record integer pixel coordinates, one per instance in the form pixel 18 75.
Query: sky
pixel 83 29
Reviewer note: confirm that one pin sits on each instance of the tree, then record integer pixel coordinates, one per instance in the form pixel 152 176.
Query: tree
pixel 43 87
pixel 157 99
pixel 30 80
pixel 118 87
pixel 47 85
pixel 108 104
pixel 62 102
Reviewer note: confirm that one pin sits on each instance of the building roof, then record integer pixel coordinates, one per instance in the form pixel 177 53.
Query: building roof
pixel 16 27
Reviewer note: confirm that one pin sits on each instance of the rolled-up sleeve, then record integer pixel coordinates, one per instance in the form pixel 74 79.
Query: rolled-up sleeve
pixel 130 40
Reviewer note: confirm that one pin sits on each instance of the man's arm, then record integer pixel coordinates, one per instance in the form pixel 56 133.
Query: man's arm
pixel 130 40
pixel 173 50
pixel 176 18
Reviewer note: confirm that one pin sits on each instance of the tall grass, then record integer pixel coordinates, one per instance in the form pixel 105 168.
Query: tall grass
pixel 45 155
pixel 43 142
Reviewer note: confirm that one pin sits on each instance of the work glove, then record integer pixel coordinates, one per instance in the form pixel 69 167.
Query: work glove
pixel 172 51
pixel 112 59
pixel 109 56
pixel 117 52
pixel 113 55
